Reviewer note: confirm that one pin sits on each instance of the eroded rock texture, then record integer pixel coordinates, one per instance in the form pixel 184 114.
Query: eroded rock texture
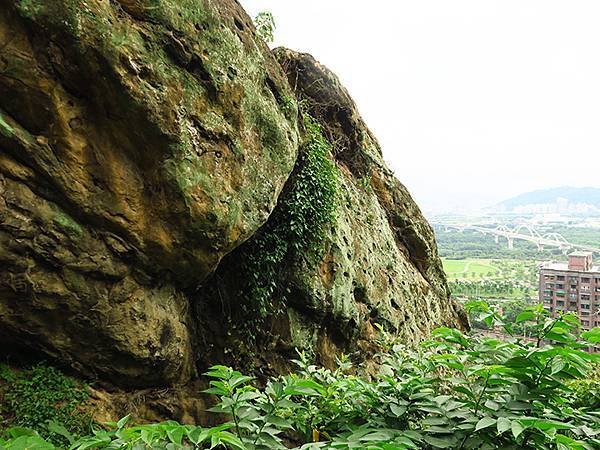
pixel 144 145
pixel 380 264
pixel 140 141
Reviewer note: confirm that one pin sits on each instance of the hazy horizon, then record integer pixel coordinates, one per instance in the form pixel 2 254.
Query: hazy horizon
pixel 473 102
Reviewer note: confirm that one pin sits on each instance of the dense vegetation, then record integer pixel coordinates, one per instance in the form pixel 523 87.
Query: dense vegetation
pixel 583 236
pixel 471 244
pixel 490 289
pixel 44 399
pixel 508 310
pixel 296 228
pixel 454 391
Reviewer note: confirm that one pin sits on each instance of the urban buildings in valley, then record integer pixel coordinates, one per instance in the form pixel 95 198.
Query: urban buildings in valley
pixel 572 286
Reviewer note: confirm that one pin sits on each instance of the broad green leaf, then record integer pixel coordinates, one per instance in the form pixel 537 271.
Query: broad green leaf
pixel 397 410
pixel 592 336
pixel 304 387
pixel 29 443
pixel 440 442
pixel 525 315
pixel 121 423
pixel 176 434
pixel 516 428
pixel 238 379
pixel 557 365
pixel 484 423
pixel 503 424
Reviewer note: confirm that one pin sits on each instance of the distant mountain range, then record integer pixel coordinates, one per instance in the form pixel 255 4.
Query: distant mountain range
pixel 555 200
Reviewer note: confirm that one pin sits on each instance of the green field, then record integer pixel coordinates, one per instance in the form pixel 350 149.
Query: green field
pixel 457 269
pixel 492 278
pixel 490 269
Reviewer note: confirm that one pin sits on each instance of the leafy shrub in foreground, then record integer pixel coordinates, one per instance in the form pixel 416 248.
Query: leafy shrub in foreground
pixel 454 392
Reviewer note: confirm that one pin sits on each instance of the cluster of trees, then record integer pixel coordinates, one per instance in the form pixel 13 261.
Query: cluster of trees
pixel 578 235
pixel 472 244
pixel 492 289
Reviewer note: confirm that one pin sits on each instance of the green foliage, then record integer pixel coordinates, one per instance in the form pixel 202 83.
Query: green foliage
pixel 312 203
pixel 587 390
pixel 24 438
pixel 462 392
pixel 492 288
pixel 508 311
pixel 30 8
pixel 41 398
pixel 455 391
pixel 297 227
pixel 472 244
pixel 258 416
pixel 265 26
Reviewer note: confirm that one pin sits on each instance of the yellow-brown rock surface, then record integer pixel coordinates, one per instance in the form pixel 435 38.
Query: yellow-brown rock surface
pixel 147 148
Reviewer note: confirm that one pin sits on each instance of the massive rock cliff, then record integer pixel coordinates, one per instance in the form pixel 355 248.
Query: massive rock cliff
pixel 163 204
pixel 377 261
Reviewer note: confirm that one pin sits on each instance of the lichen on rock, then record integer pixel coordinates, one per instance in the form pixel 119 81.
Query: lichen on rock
pixel 164 205
pixel 140 142
pixel 377 263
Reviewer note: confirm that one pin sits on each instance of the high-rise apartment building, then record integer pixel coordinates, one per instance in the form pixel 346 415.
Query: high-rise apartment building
pixel 572 286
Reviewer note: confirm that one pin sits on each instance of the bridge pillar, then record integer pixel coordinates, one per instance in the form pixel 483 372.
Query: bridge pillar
pixel 510 243
pixel 497 238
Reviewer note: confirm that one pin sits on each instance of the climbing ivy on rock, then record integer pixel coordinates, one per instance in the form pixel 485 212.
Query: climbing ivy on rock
pixel 297 227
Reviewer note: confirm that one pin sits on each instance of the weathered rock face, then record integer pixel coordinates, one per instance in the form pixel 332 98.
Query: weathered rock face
pixel 379 263
pixel 382 265
pixel 149 160
pixel 140 141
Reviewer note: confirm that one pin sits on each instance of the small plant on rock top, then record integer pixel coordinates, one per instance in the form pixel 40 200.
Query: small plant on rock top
pixel 265 26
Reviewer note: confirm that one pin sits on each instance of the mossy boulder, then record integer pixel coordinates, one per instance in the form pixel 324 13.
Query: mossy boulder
pixel 381 264
pixel 164 206
pixel 373 264
pixel 140 142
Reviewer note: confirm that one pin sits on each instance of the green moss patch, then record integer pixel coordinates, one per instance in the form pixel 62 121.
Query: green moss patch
pixel 5 127
pixel 69 225
pixel 40 398
pixel 31 8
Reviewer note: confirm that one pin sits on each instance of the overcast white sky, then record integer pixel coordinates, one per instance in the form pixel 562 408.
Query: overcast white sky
pixel 473 101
